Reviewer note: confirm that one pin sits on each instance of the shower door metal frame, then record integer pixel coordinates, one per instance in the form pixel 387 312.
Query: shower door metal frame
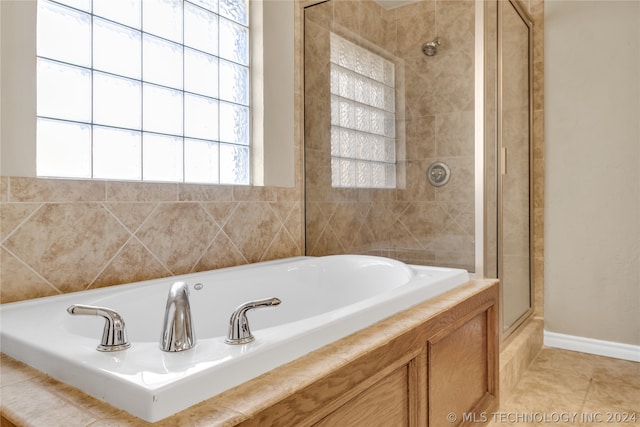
pixel 501 160
pixel 479 149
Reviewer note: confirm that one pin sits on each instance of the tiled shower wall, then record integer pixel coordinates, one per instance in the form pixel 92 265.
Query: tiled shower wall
pixel 61 236
pixel 417 222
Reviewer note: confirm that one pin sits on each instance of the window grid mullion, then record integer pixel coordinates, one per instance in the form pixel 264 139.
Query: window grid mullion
pixel 184 115
pixel 218 91
pixel 91 136
pixel 142 83
pixel 94 90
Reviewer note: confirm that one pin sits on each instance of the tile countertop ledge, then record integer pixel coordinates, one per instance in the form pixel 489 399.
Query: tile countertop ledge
pixel 31 398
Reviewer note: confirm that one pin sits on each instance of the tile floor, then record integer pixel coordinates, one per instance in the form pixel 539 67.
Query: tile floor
pixel 574 389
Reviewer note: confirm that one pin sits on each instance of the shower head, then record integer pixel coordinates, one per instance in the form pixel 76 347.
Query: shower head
pixel 431 48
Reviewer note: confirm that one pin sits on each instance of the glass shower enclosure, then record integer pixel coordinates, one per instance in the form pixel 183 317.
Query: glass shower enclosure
pixel 416 136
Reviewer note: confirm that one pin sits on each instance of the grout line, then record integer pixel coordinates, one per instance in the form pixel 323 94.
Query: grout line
pixel 286 230
pixel 109 261
pixel 133 234
pixel 206 249
pixel 586 393
pixel 24 220
pixel 276 234
pixel 121 248
pixel 162 264
pixel 235 246
pixel 233 211
pixel 41 277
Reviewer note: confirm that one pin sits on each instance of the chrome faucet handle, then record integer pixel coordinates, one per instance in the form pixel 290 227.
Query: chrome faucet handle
pixel 177 328
pixel 239 332
pixel 114 336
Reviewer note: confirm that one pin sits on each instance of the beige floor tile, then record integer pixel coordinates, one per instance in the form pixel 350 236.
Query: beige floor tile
pixel 594 390
pixel 542 389
pixel 622 371
pixel 564 360
pixel 613 394
pixel 597 415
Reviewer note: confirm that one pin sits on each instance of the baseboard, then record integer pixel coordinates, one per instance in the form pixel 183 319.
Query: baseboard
pixel 589 345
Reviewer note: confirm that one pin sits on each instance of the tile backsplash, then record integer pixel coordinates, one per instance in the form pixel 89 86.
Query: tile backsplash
pixel 59 236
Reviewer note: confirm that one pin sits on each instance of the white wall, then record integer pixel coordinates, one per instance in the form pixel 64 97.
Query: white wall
pixel 592 194
pixel 18 88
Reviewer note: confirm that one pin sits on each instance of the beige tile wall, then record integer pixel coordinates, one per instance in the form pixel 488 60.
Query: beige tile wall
pixel 62 236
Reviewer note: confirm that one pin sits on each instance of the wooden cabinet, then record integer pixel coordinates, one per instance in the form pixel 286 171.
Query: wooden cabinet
pixel 446 365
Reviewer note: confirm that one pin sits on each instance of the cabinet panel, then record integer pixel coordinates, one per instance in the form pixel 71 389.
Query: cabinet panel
pixel 384 404
pixel 458 371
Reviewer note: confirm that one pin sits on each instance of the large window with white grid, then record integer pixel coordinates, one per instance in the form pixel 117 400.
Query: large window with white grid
pixel 153 90
pixel 362 117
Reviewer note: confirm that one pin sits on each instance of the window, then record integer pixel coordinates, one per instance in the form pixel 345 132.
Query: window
pixel 362 117
pixel 154 90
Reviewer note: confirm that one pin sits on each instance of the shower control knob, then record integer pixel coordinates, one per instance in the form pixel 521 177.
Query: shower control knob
pixel 438 174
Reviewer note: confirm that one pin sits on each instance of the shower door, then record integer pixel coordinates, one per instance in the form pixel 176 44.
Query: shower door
pixel 514 154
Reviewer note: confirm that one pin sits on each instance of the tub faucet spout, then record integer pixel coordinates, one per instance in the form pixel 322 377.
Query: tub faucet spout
pixel 177 330
pixel 239 332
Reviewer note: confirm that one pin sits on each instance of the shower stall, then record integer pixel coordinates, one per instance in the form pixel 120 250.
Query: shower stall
pixel 417 136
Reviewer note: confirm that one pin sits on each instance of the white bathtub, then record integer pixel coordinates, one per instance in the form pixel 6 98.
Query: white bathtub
pixel 323 299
